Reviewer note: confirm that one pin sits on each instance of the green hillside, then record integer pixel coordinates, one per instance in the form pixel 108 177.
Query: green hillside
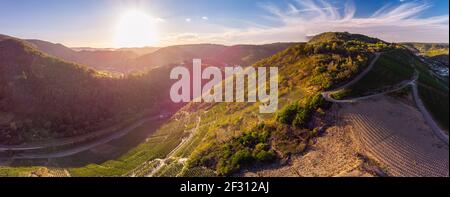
pixel 434 51
pixel 429 49
pixel 398 66
pixel 217 55
pixel 434 93
pixel 220 139
pixel 226 137
pixel 327 60
pixel 391 68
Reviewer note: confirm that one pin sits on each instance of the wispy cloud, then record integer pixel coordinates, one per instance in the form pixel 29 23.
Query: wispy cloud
pixel 159 19
pixel 302 18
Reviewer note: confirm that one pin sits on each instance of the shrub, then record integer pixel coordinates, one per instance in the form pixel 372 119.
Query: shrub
pixel 287 114
pixel 301 118
pixel 241 157
pixel 265 156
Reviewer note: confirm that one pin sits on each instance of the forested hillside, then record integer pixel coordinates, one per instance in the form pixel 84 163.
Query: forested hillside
pixel 110 60
pixel 217 55
pixel 42 97
pixel 133 60
pixel 435 51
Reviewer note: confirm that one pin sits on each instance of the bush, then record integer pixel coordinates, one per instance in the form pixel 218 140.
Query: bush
pixel 241 157
pixel 287 114
pixel 265 156
pixel 301 118
pixel 298 116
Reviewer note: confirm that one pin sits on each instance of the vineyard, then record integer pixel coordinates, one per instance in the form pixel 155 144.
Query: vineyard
pixel 411 151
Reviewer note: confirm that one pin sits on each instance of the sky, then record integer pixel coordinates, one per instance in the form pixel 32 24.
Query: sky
pixel 136 23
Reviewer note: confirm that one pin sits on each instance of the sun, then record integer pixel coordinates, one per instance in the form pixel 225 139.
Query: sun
pixel 136 29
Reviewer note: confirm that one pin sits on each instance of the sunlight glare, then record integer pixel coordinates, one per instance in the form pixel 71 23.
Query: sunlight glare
pixel 136 29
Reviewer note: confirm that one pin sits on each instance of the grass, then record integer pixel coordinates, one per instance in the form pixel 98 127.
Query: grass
pixel 198 172
pixel 17 171
pixel 389 70
pixel 170 170
pixel 392 68
pixel 434 94
pixel 168 137
pixel 437 104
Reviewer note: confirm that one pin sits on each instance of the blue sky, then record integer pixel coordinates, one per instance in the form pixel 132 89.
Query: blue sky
pixel 94 22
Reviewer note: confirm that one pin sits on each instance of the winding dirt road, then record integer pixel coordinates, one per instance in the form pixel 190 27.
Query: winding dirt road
pixel 327 94
pixel 413 83
pixel 73 140
pixel 162 162
pixel 392 133
pixel 426 115
pixel 75 149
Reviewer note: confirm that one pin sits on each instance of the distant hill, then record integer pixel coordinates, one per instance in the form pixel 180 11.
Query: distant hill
pixel 57 50
pixel 43 97
pixel 48 88
pixel 435 51
pixel 218 55
pixel 343 37
pixel 429 49
pixel 246 55
pixel 127 60
pixel 138 50
pixel 173 54
pixel 99 59
pixel 39 77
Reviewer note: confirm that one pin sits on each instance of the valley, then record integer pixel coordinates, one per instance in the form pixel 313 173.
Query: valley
pixel 349 105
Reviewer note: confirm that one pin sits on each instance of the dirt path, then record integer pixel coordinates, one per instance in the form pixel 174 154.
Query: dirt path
pixel 396 136
pixel 73 140
pixel 84 147
pixel 392 89
pixel 378 136
pixel 413 82
pixel 327 94
pixel 162 162
pixel 428 118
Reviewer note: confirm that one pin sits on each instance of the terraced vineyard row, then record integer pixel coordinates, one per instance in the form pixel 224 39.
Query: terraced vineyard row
pixel 170 170
pixel 144 169
pixel 59 172
pixel 199 172
pixel 399 154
